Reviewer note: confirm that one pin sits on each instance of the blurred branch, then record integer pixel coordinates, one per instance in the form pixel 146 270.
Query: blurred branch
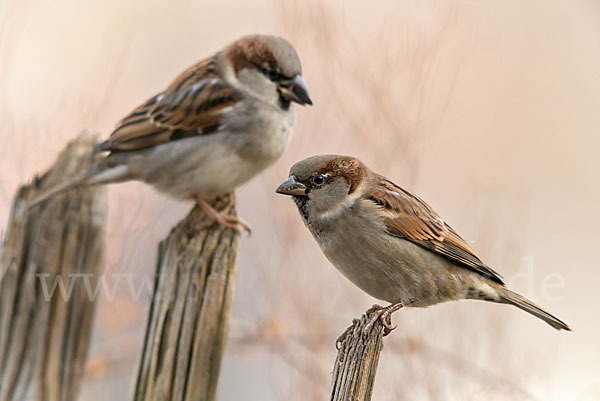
pixel 44 333
pixel 189 316
pixel 356 363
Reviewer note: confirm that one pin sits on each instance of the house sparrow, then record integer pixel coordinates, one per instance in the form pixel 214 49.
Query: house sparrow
pixel 389 242
pixel 217 125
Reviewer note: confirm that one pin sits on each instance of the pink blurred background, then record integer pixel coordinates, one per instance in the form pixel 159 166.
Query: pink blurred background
pixel 487 110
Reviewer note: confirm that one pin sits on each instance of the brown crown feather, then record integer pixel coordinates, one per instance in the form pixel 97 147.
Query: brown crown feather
pixel 350 168
pixel 251 51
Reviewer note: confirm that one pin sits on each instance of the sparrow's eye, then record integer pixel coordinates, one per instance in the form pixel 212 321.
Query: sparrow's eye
pixel 272 74
pixel 318 179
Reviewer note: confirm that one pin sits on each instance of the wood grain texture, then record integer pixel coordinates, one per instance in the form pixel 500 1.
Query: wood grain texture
pixel 44 336
pixel 189 316
pixel 356 363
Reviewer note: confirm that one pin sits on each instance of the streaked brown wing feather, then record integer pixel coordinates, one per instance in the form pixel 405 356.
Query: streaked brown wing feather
pixel 412 219
pixel 192 105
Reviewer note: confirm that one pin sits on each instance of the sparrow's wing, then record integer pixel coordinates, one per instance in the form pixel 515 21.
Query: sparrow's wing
pixel 192 105
pixel 412 219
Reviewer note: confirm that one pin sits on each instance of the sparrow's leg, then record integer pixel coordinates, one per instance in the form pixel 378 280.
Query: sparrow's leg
pixel 220 218
pixel 384 315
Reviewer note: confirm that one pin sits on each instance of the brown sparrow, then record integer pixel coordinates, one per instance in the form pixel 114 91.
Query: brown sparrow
pixel 389 242
pixel 217 125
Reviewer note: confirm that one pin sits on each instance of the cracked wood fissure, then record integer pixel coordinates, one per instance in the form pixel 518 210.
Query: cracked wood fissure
pixel 356 363
pixel 189 316
pixel 44 336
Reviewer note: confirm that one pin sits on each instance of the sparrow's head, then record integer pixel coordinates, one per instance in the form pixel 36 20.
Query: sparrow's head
pixel 323 186
pixel 268 67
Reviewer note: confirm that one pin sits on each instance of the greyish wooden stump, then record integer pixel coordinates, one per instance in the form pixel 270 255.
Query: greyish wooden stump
pixel 356 363
pixel 189 316
pixel 43 336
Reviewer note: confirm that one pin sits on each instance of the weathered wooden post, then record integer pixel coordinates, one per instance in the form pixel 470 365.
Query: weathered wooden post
pixel 49 260
pixel 50 264
pixel 189 316
pixel 356 363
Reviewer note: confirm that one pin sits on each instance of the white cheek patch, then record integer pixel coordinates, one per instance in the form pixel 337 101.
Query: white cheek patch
pixel 230 77
pixel 341 207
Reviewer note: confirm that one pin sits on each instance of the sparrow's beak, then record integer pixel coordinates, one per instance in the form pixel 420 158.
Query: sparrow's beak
pixel 295 90
pixel 291 187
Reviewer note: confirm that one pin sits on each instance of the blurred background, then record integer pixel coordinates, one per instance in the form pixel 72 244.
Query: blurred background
pixel 487 110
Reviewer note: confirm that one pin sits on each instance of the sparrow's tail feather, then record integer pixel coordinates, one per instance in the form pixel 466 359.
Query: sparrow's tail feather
pixel 511 297
pixel 92 176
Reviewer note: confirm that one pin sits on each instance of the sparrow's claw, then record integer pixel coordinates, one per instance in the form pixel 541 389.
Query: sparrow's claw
pixel 225 221
pixel 221 218
pixel 343 336
pixel 384 315
pixel 374 313
pixel 233 222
